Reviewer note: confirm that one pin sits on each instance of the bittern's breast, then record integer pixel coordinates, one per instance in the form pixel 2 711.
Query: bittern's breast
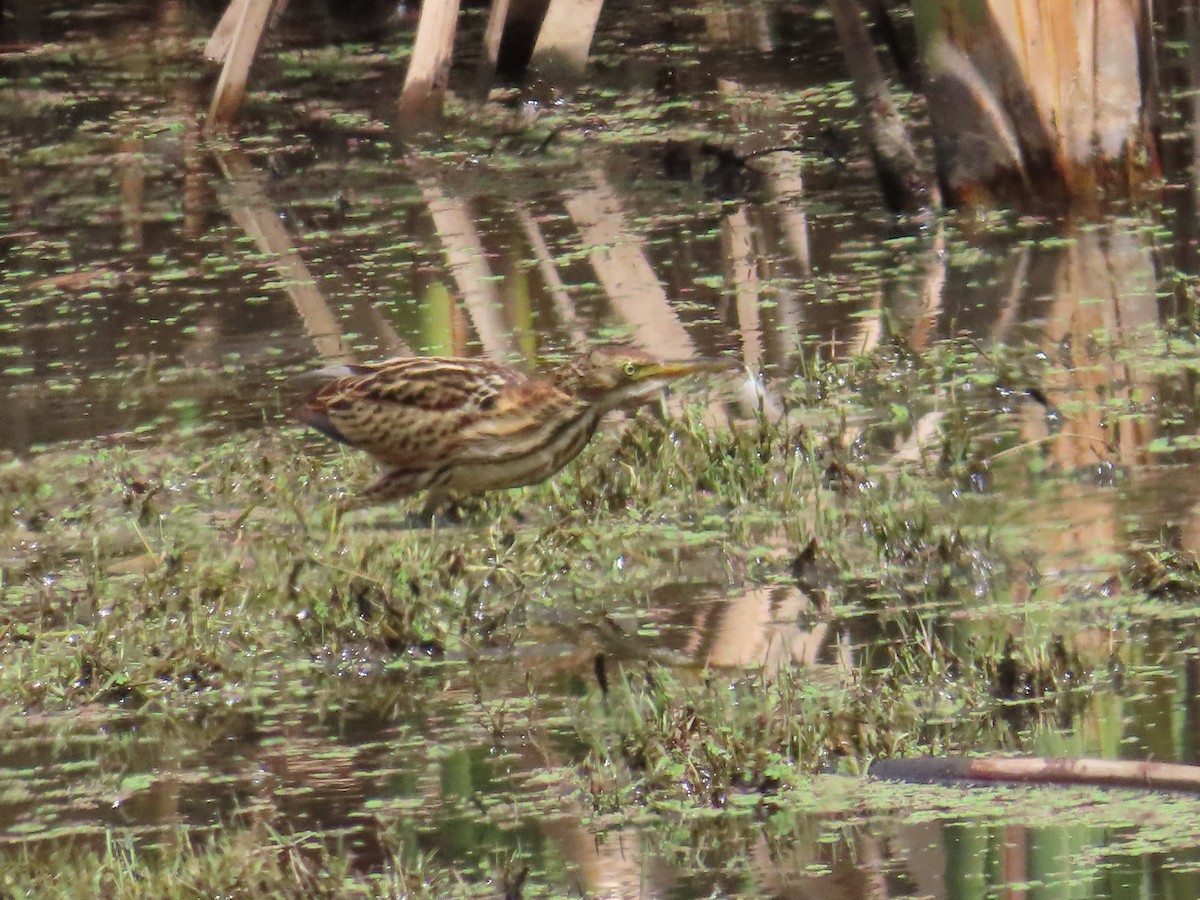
pixel 527 456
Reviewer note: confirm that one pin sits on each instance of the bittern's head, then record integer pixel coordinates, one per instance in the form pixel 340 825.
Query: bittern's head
pixel 611 374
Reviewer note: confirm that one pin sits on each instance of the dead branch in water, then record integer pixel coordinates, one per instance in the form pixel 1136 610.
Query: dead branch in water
pixel 1106 773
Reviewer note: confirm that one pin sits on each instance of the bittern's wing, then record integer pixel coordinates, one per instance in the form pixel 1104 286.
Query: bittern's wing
pixel 523 419
pixel 414 413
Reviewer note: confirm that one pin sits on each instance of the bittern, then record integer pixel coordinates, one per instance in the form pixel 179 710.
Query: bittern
pixel 456 427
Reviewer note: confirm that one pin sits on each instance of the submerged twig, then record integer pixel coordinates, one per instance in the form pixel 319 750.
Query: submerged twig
pixel 1108 773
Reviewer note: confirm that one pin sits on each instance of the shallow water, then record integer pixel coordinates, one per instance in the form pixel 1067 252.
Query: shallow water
pixel 156 282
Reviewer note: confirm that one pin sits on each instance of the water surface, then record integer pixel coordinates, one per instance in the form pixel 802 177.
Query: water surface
pixel 158 283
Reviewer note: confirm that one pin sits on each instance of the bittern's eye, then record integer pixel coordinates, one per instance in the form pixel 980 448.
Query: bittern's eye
pixel 630 369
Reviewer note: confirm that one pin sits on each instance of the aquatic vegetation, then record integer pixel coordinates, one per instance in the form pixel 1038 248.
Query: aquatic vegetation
pixel 950 511
pixel 202 580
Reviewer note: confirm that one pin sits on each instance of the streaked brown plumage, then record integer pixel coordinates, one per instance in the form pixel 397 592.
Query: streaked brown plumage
pixel 465 426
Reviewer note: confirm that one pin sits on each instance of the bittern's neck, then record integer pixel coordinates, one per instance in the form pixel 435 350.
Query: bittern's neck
pixel 610 399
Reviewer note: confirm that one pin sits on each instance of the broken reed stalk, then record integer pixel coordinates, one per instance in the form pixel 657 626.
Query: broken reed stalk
pixel 249 18
pixel 565 38
pixel 1038 100
pixel 429 68
pixel 217 47
pixel 497 17
pixel 905 189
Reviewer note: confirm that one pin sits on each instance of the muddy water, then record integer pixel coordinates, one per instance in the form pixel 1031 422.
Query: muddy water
pixel 156 281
